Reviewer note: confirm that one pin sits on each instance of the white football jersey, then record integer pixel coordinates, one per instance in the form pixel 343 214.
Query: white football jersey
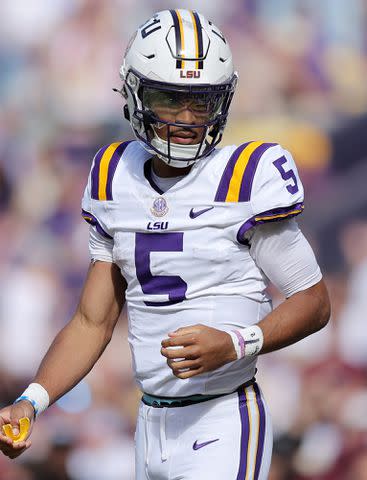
pixel 183 252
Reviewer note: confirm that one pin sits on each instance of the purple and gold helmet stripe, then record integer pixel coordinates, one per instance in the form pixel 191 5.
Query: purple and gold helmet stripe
pixel 92 220
pixel 273 215
pixel 252 413
pixel 198 39
pixel 177 22
pixel 104 168
pixel 194 45
pixel 237 179
pixel 182 36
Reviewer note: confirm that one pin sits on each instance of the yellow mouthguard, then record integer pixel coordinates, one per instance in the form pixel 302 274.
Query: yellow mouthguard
pixel 24 425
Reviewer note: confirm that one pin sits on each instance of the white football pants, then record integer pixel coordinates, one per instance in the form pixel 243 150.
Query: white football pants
pixel 227 438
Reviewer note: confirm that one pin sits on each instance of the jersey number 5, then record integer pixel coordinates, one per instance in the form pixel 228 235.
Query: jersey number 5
pixel 172 285
pixel 286 175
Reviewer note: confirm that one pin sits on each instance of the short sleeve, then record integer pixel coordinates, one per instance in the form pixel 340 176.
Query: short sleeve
pixel 94 211
pixel 277 191
pixel 100 247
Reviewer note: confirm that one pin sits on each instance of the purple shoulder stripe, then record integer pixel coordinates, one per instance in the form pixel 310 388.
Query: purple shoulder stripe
pixel 227 174
pixel 274 215
pixel 92 220
pixel 249 173
pixel 95 172
pixel 112 167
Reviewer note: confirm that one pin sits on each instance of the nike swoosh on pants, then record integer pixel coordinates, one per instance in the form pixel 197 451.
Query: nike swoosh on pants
pixel 197 445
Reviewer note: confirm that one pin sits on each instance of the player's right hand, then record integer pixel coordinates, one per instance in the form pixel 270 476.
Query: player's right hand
pixel 12 415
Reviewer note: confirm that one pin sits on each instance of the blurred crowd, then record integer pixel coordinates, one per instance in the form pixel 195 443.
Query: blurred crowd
pixel 302 67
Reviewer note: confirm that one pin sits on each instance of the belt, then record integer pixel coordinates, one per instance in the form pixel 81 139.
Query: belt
pixel 172 402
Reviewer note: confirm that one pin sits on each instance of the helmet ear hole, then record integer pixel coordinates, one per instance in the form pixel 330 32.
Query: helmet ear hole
pixel 126 112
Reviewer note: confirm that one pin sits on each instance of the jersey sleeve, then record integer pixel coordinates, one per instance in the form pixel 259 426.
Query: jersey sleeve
pixel 100 247
pixel 99 192
pixel 93 209
pixel 275 191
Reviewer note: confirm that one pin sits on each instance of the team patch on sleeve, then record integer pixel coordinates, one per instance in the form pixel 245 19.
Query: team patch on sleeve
pixel 236 182
pixel 104 168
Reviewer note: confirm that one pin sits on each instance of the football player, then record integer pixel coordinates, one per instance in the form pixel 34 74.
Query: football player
pixel 191 234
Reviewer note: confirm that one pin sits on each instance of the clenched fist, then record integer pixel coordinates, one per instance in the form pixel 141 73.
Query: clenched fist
pixel 198 349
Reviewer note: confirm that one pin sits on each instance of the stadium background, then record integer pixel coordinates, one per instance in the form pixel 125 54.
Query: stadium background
pixel 302 67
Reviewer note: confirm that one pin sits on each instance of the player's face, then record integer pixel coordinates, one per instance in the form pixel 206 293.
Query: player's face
pixel 192 111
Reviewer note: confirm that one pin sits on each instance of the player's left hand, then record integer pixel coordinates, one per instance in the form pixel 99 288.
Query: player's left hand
pixel 199 348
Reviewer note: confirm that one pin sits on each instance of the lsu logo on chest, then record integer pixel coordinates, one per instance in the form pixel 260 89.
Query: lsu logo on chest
pixel 157 226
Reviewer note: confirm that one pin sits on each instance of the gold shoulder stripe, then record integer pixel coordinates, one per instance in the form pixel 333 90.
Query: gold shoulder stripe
pixel 239 169
pixel 103 170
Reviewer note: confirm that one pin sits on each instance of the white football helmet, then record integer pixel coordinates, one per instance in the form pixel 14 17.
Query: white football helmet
pixel 175 57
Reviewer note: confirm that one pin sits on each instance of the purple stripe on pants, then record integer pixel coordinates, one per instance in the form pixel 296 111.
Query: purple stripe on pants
pixel 95 172
pixel 112 168
pixel 245 433
pixel 227 174
pixel 249 173
pixel 260 445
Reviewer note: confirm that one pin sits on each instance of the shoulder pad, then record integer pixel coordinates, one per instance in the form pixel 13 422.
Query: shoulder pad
pixel 103 170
